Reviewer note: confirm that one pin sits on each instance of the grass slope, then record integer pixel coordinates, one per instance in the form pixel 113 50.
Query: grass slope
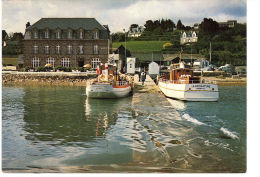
pixel 10 60
pixel 141 46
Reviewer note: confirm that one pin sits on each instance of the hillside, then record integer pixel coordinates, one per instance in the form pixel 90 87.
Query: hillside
pixel 141 46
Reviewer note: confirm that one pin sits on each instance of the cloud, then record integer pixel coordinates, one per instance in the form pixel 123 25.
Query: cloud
pixel 119 14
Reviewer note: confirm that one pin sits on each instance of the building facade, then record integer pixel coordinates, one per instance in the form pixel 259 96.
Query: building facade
pixel 229 24
pixel 66 42
pixel 187 37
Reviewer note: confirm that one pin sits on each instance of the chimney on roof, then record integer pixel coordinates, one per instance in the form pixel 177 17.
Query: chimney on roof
pixel 28 24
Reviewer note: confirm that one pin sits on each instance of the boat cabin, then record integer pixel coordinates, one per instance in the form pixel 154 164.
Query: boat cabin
pixel 181 73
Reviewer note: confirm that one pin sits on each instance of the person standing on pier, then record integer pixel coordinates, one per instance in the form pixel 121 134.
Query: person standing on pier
pixel 139 74
pixel 143 77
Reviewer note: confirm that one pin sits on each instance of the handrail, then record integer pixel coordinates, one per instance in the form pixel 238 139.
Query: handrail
pixel 188 81
pixel 119 83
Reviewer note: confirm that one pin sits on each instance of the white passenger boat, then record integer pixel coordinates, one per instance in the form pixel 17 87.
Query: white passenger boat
pixel 108 85
pixel 183 85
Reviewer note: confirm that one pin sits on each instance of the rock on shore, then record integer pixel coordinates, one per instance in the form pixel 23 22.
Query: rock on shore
pixel 55 80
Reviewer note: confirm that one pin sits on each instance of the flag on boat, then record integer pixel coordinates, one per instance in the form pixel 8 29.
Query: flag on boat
pixel 98 69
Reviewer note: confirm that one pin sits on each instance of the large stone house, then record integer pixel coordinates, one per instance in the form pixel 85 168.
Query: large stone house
pixel 187 37
pixel 66 42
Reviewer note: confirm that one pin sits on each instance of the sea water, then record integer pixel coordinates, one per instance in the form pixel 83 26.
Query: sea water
pixel 60 129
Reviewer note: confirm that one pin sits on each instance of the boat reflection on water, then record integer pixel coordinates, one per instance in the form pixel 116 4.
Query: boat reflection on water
pixel 59 119
pixel 104 112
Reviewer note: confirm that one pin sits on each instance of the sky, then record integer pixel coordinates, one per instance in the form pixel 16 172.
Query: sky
pixel 120 14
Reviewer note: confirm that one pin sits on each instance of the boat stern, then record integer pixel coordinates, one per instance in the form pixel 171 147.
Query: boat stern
pixel 201 92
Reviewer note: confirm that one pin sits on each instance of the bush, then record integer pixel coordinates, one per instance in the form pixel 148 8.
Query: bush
pixel 28 68
pixel 167 45
pixel 41 69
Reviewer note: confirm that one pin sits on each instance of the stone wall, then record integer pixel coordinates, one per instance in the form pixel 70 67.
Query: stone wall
pixel 55 80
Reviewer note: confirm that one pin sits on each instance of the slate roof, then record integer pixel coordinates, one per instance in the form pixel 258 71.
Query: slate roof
pixel 188 33
pixel 148 56
pixel 66 23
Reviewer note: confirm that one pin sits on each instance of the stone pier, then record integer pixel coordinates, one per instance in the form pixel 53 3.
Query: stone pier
pixel 148 87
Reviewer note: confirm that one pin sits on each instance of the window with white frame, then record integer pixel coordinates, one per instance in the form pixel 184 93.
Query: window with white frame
pixel 69 49
pixel 35 35
pixel 81 49
pixel 35 62
pixel 65 62
pixel 69 35
pixel 57 35
pixel 51 61
pixel 95 35
pixel 95 49
pixel 35 49
pixel 46 34
pixel 95 62
pixel 81 34
pixel 57 49
pixel 47 49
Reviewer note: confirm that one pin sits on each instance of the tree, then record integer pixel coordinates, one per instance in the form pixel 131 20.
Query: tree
pixel 4 35
pixel 133 26
pixel 17 37
pixel 209 27
pixel 149 25
pixel 180 26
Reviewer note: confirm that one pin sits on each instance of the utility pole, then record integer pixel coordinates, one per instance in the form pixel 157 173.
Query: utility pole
pixel 210 53
pixel 125 50
pixel 191 55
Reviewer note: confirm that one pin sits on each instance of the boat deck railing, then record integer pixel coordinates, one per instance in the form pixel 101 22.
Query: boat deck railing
pixel 120 83
pixel 188 81
pixel 116 83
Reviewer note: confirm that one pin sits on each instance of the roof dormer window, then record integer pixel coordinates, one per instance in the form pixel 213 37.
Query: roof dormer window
pixel 46 34
pixel 95 35
pixel 57 35
pixel 35 35
pixel 69 34
pixel 81 34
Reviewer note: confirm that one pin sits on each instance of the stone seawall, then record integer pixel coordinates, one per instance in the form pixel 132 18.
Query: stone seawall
pixel 42 80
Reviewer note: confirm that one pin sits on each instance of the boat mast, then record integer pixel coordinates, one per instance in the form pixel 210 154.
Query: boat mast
pixel 180 55
pixel 210 53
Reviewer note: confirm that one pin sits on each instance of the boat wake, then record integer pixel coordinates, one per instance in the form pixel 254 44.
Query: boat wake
pixel 191 119
pixel 228 134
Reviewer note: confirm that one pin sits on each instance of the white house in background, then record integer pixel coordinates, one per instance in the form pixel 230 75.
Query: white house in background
pixel 135 31
pixel 201 63
pixel 229 24
pixel 190 36
pixel 196 26
pixel 130 69
pixel 153 68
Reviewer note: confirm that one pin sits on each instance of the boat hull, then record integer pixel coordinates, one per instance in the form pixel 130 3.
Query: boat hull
pixel 190 92
pixel 107 91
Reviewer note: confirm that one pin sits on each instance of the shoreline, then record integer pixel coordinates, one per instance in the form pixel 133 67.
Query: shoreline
pixel 228 81
pixel 79 79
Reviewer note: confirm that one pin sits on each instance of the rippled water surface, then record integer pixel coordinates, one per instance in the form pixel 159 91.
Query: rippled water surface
pixel 59 129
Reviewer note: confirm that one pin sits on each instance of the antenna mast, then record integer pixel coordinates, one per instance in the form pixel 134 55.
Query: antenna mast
pixel 210 53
